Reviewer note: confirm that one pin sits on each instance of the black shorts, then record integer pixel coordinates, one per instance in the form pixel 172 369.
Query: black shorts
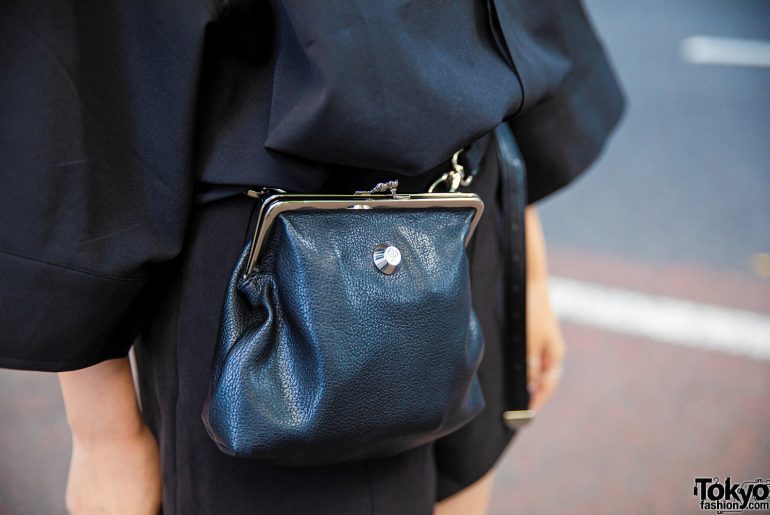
pixel 174 357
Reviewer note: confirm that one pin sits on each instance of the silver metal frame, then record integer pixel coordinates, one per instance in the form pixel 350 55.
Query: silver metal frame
pixel 276 204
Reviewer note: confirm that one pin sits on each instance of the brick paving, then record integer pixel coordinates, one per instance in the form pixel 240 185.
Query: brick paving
pixel 631 426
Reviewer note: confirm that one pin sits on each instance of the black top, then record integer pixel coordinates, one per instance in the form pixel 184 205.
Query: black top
pixel 117 115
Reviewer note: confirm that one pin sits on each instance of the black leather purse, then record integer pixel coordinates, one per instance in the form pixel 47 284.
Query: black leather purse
pixel 347 331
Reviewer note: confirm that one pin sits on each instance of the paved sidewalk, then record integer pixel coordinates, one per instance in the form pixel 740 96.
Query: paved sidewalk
pixel 633 423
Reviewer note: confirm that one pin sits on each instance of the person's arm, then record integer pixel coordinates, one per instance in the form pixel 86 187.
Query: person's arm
pixel 115 465
pixel 545 343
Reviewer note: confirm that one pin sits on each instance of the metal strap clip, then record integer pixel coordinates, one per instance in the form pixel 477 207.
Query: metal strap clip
pixel 454 178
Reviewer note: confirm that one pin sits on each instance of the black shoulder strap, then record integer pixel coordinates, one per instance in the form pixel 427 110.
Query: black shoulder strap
pixel 514 201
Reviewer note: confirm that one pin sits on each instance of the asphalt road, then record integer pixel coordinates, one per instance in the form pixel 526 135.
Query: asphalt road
pixel 687 176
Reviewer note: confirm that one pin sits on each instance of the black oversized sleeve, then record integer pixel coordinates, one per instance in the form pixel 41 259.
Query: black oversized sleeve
pixel 96 107
pixel 563 125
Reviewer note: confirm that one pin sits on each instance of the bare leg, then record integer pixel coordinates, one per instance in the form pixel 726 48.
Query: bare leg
pixel 473 500
pixel 115 464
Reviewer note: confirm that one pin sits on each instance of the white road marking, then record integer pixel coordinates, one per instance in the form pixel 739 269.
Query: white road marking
pixel 725 51
pixel 664 319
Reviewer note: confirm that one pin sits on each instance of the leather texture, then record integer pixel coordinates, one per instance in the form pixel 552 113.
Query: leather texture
pixel 324 359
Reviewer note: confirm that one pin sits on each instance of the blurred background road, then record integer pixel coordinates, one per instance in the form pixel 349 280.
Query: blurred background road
pixel 678 207
pixel 661 262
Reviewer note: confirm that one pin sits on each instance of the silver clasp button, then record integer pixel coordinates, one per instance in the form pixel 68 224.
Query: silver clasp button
pixel 386 258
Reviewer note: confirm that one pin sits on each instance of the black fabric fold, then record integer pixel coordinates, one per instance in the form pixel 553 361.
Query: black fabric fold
pixel 56 318
pixel 117 117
